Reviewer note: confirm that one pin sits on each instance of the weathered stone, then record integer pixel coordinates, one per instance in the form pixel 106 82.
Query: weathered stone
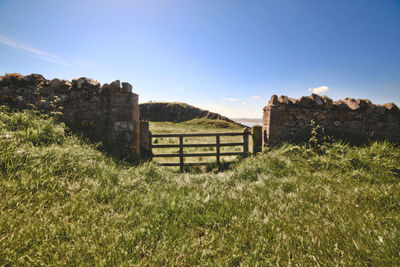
pixel 352 119
pixel 306 101
pixel 114 86
pixel 87 83
pixel 121 126
pixel 34 78
pixel 273 100
pixel 284 99
pixel 391 106
pixel 104 88
pixel 5 90
pixel 342 115
pixel 118 100
pixel 266 117
pixel 380 109
pixel 126 87
pixel 321 117
pixel 55 83
pixel 64 84
pixel 351 103
pixel 294 101
pixel 302 116
pixel 340 105
pixel 111 118
pixel 81 82
pixel 317 99
pixel 363 103
pixel 289 122
pixel 327 101
pixel 352 124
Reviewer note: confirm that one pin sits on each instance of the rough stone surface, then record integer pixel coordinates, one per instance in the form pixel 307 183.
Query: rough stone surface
pixel 355 120
pixel 109 113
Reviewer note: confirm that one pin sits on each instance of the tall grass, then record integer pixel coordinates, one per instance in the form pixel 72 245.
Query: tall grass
pixel 63 202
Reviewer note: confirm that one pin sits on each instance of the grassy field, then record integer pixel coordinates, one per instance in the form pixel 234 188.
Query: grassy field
pixel 63 202
pixel 196 126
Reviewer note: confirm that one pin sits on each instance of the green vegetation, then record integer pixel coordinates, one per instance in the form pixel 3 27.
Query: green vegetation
pixel 168 103
pixel 215 124
pixel 64 202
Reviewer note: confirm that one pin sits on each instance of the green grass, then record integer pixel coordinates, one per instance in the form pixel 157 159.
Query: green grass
pixel 168 103
pixel 63 202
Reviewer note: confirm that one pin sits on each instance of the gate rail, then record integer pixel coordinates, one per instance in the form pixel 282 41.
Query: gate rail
pixel 217 144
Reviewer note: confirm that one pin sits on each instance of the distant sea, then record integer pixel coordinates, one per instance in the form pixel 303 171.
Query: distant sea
pixel 250 122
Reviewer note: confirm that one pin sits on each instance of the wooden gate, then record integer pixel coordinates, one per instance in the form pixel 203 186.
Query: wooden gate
pixel 218 144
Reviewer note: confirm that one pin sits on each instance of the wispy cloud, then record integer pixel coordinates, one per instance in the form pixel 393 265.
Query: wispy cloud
pixel 230 99
pixel 254 97
pixel 32 51
pixel 319 90
pixel 45 56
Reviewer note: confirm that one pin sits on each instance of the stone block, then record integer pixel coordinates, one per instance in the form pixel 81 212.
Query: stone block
pixel 306 102
pixel 284 100
pixel 351 103
pixel 55 83
pixel 317 100
pixel 355 125
pixel 120 126
pixel 126 87
pixel 114 87
pixel 302 116
pixel 273 100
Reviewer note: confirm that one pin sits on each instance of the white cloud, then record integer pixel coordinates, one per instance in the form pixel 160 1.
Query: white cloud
pixel 319 90
pixel 254 97
pixel 230 99
pixel 32 51
pixel 43 55
pixel 244 103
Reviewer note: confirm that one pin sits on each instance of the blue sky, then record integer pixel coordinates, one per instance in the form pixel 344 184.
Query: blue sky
pixel 228 56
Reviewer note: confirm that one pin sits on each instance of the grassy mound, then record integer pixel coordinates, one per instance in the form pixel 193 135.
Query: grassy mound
pixel 64 202
pixel 213 123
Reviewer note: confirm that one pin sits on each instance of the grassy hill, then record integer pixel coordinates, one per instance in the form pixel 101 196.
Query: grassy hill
pixel 181 112
pixel 62 201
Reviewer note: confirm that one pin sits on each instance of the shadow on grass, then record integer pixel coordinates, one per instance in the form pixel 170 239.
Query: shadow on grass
pixel 117 154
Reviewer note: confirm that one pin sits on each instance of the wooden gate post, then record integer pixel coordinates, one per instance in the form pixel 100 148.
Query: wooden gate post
pixel 150 146
pixel 218 153
pixel 256 134
pixel 245 141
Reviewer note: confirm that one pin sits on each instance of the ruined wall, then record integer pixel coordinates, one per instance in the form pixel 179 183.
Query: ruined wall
pixel 109 112
pixel 355 120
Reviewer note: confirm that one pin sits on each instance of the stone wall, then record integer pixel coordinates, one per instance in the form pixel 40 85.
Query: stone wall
pixel 356 120
pixel 109 112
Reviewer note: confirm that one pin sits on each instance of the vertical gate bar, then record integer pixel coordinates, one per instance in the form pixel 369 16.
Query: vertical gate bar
pixel 218 152
pixel 245 141
pixel 150 146
pixel 181 153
